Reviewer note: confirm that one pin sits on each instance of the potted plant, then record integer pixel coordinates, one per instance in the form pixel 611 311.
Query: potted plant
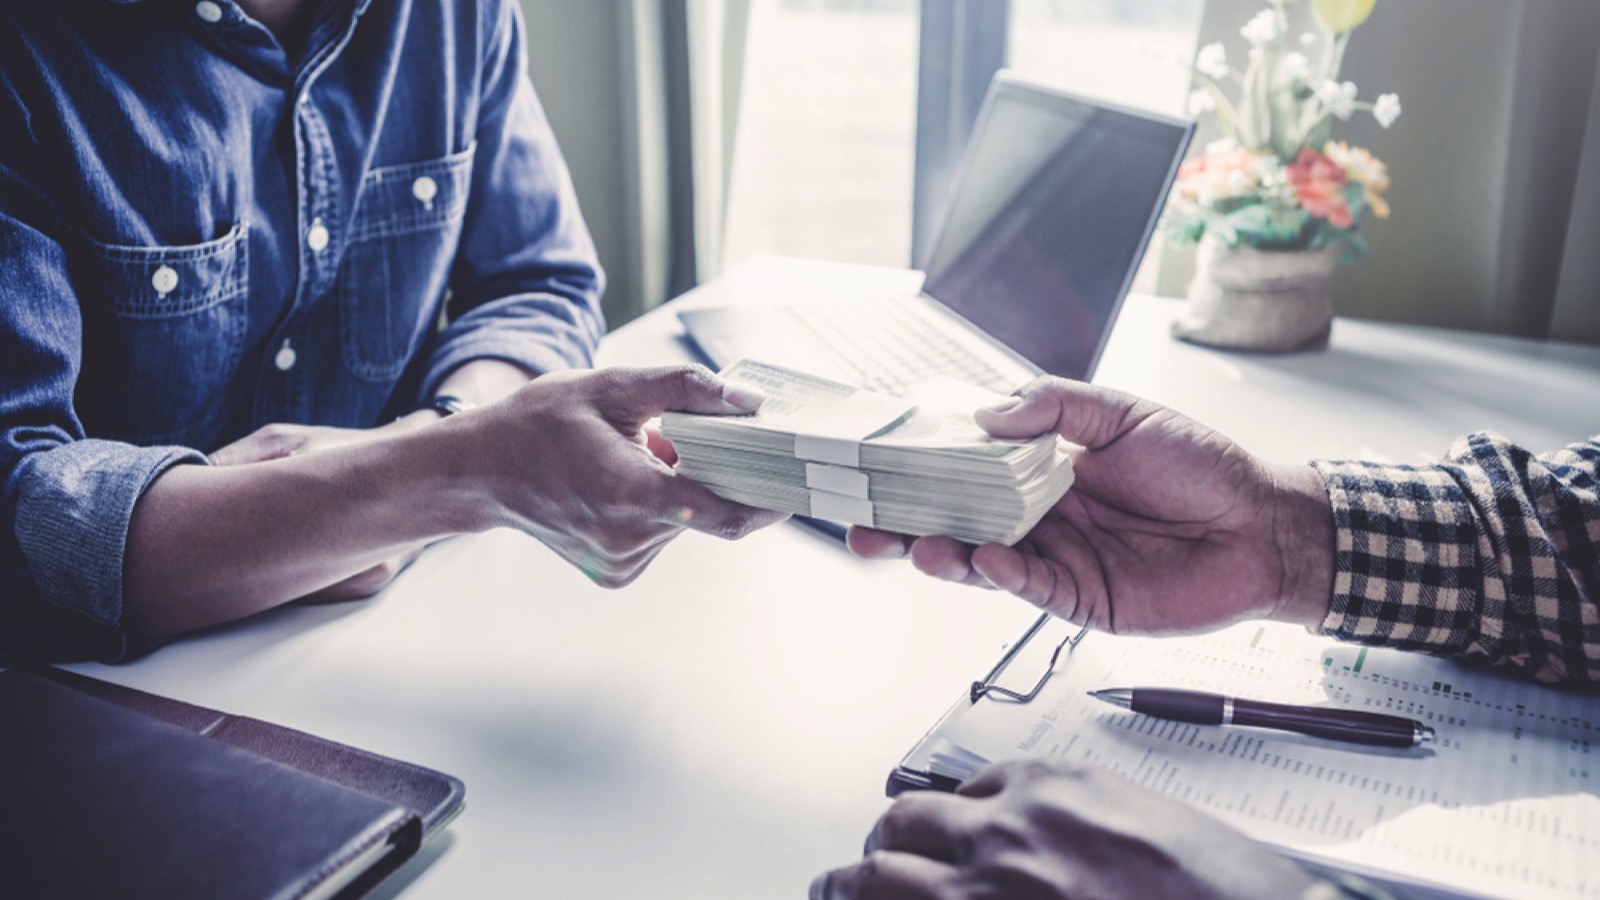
pixel 1273 206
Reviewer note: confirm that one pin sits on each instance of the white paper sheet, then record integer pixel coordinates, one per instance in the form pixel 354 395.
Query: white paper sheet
pixel 1504 804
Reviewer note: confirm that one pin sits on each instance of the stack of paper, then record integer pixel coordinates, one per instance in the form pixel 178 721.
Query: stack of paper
pixel 915 465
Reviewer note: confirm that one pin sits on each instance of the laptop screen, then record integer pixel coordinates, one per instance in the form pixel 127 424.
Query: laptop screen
pixel 1054 206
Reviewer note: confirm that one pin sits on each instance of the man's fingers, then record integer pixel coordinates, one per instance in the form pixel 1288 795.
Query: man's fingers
pixel 659 446
pixel 365 583
pixel 997 777
pixel 1044 583
pixel 947 559
pixel 266 443
pixel 926 823
pixel 887 875
pixel 870 543
pixel 1081 413
pixel 1064 581
pixel 631 397
pixel 689 504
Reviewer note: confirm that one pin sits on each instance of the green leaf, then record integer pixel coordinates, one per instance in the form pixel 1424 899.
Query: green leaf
pixel 1355 196
pixel 1262 225
pixel 1353 243
pixel 1184 223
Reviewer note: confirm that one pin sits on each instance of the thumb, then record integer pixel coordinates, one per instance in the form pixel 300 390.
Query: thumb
pixel 1081 413
pixel 642 394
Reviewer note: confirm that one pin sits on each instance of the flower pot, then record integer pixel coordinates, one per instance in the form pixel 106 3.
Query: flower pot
pixel 1264 300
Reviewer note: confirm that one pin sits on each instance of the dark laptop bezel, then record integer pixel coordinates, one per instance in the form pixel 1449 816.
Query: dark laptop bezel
pixel 1007 84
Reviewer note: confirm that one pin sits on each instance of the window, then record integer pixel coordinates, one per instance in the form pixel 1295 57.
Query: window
pixel 824 155
pixel 1125 51
pixel 822 161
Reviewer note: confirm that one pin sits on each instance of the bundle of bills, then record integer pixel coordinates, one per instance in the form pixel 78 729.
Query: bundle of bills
pixel 915 465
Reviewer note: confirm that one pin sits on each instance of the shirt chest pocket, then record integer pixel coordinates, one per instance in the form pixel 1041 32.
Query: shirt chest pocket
pixel 163 331
pixel 396 265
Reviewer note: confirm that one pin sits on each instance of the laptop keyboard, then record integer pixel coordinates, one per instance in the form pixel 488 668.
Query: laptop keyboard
pixel 891 347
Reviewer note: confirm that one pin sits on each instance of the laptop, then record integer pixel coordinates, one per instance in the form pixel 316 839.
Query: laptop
pixel 1054 204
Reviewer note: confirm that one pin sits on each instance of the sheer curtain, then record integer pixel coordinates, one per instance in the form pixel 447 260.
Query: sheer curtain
pixel 1495 163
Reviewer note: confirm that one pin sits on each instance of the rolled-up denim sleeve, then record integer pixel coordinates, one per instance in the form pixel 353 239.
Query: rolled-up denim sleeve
pixel 526 284
pixel 67 502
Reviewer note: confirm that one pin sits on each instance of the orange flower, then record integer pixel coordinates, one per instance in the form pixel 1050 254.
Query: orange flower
pixel 1223 175
pixel 1364 169
pixel 1319 183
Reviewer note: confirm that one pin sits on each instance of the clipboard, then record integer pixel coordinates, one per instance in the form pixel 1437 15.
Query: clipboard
pixel 914 773
pixel 1502 805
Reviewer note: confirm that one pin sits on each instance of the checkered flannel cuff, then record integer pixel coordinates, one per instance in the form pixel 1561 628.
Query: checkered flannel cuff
pixel 1493 554
pixel 1405 556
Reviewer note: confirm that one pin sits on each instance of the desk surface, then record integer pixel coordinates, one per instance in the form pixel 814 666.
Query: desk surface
pixel 723 727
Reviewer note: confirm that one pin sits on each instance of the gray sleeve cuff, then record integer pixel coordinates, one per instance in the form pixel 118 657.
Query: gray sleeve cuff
pixel 74 504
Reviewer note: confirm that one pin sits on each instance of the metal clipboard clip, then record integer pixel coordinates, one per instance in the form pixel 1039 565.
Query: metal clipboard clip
pixel 987 685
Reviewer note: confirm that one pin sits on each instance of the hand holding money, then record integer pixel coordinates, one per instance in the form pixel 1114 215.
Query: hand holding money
pixel 917 465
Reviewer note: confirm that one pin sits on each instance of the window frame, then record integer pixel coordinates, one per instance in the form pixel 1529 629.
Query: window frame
pixel 963 43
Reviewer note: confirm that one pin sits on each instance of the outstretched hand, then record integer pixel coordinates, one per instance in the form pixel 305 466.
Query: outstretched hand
pixel 572 460
pixel 1170 527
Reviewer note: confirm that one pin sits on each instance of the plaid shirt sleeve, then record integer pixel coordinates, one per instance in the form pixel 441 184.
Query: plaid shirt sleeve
pixel 1492 554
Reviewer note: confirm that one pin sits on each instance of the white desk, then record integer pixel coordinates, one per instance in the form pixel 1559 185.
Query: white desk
pixel 723 727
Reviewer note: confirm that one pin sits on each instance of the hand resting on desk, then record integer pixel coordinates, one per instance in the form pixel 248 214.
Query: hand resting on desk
pixel 1170 527
pixel 1033 830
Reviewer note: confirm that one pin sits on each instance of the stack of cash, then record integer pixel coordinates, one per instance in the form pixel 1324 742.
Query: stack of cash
pixel 915 465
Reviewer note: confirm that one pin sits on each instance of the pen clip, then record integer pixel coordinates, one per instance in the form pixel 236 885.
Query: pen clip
pixel 987 685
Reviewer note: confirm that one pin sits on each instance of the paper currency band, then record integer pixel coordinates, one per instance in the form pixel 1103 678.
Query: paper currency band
pixel 849 422
pixel 837 480
pixel 837 508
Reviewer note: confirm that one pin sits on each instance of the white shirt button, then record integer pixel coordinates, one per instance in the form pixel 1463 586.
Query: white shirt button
pixel 317 236
pixel 164 280
pixel 425 189
pixel 285 358
pixel 208 11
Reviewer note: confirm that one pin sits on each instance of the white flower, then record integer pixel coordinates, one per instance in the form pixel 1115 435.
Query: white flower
pixel 1340 99
pixel 1296 67
pixel 1239 183
pixel 1212 61
pixel 1387 109
pixel 1307 39
pixel 1221 146
pixel 1261 29
pixel 1201 102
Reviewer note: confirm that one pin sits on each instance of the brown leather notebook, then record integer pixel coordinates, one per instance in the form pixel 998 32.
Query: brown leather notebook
pixel 109 791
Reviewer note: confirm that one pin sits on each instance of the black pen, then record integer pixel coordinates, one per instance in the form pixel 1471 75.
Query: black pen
pixel 1200 708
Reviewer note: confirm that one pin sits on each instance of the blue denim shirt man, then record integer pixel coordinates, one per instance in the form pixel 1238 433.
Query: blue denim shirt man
pixel 208 226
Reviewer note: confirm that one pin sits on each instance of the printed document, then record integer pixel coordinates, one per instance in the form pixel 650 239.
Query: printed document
pixel 1505 803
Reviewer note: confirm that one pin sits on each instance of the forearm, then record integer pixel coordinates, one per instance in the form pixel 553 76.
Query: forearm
pixel 207 545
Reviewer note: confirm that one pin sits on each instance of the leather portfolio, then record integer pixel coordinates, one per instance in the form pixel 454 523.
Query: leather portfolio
pixel 106 791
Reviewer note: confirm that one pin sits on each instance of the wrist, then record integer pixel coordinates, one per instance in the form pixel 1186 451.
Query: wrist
pixel 453 499
pixel 1302 536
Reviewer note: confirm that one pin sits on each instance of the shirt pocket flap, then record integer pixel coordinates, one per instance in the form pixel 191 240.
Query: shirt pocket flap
pixel 160 282
pixel 413 196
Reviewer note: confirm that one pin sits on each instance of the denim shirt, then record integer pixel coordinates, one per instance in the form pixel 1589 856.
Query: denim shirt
pixel 201 234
